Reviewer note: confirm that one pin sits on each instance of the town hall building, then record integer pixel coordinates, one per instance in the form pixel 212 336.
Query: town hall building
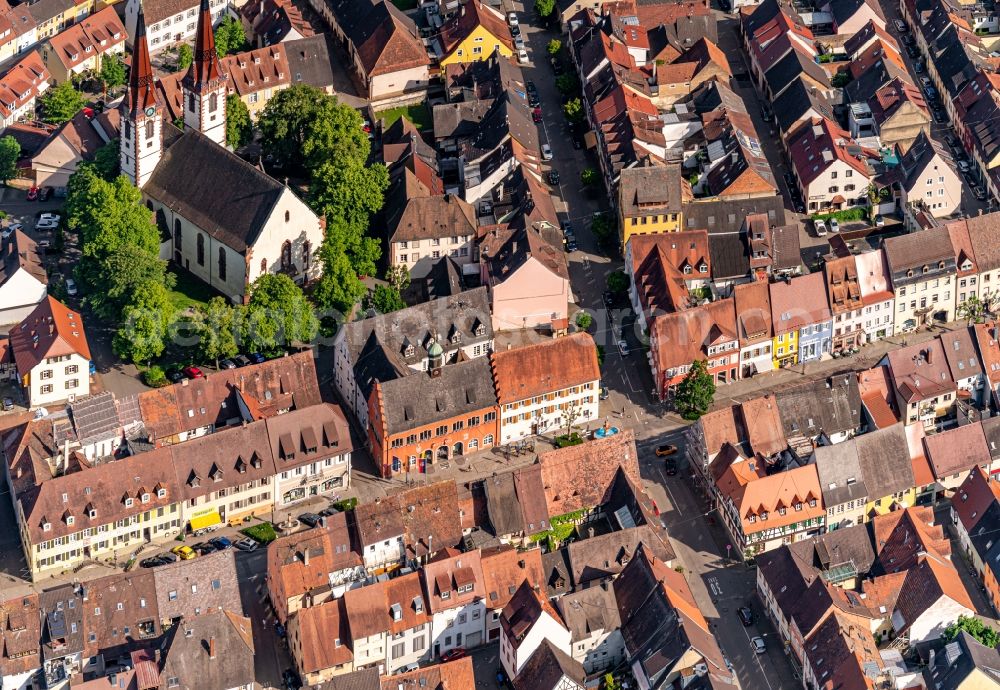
pixel 221 218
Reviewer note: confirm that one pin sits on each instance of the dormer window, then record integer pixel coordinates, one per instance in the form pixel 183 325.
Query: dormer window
pixel 92 513
pixel 129 502
pixel 161 493
pixel 763 516
pixel 397 612
pixel 446 594
pixel 46 527
pixel 145 498
pixel 703 269
pixel 70 519
pixel 687 269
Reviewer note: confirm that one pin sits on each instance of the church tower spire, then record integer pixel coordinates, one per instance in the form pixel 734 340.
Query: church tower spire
pixel 205 84
pixel 141 143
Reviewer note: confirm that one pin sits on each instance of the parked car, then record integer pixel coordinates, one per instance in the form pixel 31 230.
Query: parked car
pixel 227 364
pixel 879 221
pixel 910 41
pixel 184 551
pixel 70 287
pixel 512 18
pixel 546 152
pixel 556 66
pixel 220 543
pixel 291 680
pixel 257 358
pixel 670 466
pixel 901 26
pixel 665 450
pixel 536 114
pixel 311 519
pixel 834 225
pixel 604 394
pixel 979 192
pixel 964 166
pixel 623 348
pixel 939 116
pixel 175 375
pixel 454 654
pixel 820 227
pixel 530 87
pixel 925 82
pixel 32 194
pixel 533 100
pixel 45 194
pixel 168 557
pixel 571 245
pixel 522 56
pixel 758 644
pixel 242 361
pixel 204 548
pixel 8 404
pixel 193 372
pixel 246 544
pixel 746 615
pixel 951 140
pixel 515 31
pixel 151 562
pixel 54 217
pixel 554 177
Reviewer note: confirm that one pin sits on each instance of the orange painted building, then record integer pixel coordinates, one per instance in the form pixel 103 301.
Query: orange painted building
pixel 443 414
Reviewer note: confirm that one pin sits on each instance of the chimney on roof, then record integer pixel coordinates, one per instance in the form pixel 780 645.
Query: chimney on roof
pixel 211 647
pixel 929 355
pixel 305 556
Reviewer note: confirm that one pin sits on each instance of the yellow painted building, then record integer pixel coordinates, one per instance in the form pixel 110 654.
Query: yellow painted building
pixel 785 349
pixel 881 506
pixel 474 35
pixel 649 200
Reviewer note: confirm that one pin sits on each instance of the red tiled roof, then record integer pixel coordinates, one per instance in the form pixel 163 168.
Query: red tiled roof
pixel 549 366
pixel 685 336
pixel 816 144
pixel 974 496
pixel 95 35
pixel 21 82
pixel 51 330
pixel 799 302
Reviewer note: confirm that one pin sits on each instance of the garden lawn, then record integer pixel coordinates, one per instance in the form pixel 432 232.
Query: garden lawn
pixel 189 292
pixel 419 114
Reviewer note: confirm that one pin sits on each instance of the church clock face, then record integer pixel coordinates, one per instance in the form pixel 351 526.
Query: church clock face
pixel 149 111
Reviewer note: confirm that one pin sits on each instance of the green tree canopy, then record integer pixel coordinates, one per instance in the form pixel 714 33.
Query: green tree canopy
pixel 398 276
pixel 239 126
pixel 230 37
pixel 618 282
pixel 350 191
pixel 554 46
pixel 216 326
pixel 107 160
pixel 10 150
pixel 568 84
pixel 126 270
pixel 544 8
pixel 185 56
pixel 108 215
pixel 61 103
pixel 589 177
pixel 112 73
pixel 695 393
pixel 573 110
pixel 384 299
pixel 339 288
pixel 145 324
pixel 278 314
pixel 975 627
pixel 303 124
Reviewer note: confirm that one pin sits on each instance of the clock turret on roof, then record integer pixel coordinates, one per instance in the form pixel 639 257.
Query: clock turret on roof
pixel 205 84
pixel 141 143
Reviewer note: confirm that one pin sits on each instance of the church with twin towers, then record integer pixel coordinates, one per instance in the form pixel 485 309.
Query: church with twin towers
pixel 221 218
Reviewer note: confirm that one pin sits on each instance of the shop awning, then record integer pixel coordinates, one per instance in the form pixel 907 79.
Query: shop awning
pixel 206 520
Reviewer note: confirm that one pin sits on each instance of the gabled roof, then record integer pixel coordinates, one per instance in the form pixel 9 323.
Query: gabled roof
pixel 884 458
pixel 473 15
pixel 925 584
pixel 652 189
pixel 840 476
pixel 21 82
pixel 827 406
pixel 951 667
pixel 816 144
pixel 323 636
pixel 549 366
pixel 984 233
pixel 371 609
pixel 582 476
pixel 799 301
pixel 762 421
pixel 221 193
pixel 384 38
pixel 433 523
pixel 921 371
pixel 685 336
pixel 217 653
pixel 51 330
pixel 753 312
pixel 902 536
pixel 504 569
pixel 521 613
pixel 974 496
pixel 546 668
pixel 957 450
pixel 18 251
pixel 876 393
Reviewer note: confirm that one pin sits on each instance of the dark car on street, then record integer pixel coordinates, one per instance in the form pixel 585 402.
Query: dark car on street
pixel 311 519
pixel 242 361
pixel 257 358
pixel 175 375
pixel 152 562
pixel 746 615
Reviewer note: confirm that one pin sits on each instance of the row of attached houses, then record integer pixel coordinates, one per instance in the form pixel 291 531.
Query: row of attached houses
pixel 838 599
pixel 427 385
pixel 910 282
pixel 448 576
pixel 116 631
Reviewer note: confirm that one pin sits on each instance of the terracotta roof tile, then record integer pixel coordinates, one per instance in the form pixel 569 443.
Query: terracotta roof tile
pixel 323 636
pixel 504 569
pixel 957 450
pixel 51 330
pixel 451 674
pixel 974 496
pixel 369 608
pixel 546 367
pixel 581 476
